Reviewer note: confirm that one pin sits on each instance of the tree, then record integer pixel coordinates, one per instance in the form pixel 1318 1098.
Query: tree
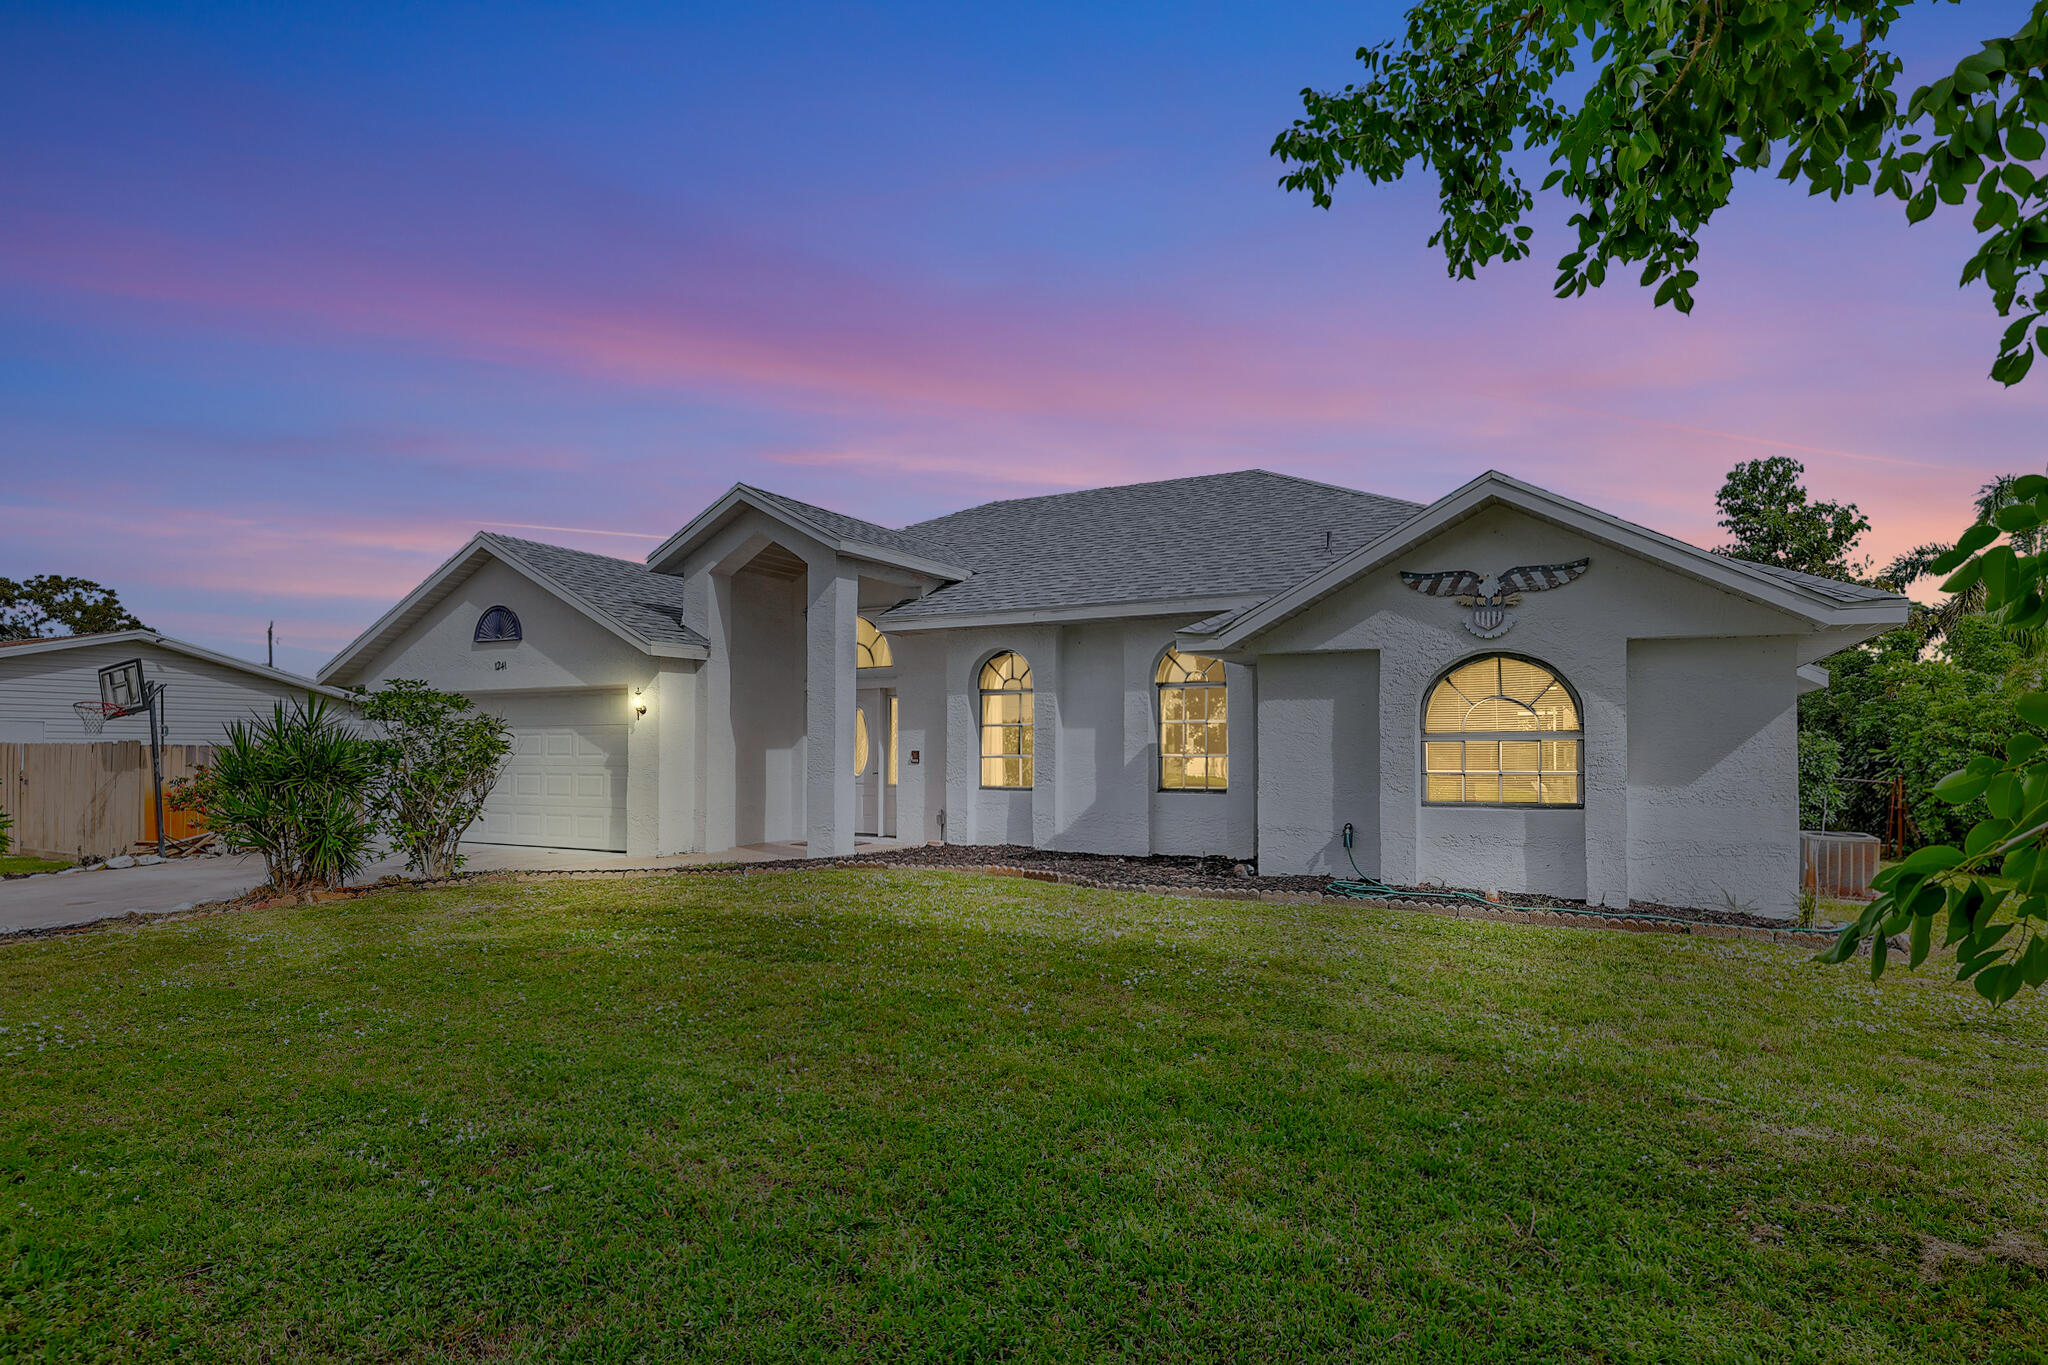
pixel 296 789
pixel 439 765
pixel 51 604
pixel 1683 94
pixel 1992 883
pixel 1766 510
pixel 1919 561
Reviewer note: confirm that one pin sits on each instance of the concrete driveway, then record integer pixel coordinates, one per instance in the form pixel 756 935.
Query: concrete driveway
pixel 56 900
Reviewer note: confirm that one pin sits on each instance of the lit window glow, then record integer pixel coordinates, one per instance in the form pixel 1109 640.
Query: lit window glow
pixel 1006 721
pixel 1510 735
pixel 871 647
pixel 1194 723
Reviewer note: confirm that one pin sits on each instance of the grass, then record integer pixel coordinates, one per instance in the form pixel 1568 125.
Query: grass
pixel 12 863
pixel 854 1116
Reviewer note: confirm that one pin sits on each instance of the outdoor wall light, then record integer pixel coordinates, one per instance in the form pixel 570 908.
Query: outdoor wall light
pixel 639 703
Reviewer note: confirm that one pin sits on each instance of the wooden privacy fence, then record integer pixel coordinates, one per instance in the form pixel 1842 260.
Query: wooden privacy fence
pixel 90 800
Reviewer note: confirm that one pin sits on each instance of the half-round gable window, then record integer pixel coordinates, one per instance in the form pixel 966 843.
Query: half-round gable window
pixel 499 623
pixel 1500 730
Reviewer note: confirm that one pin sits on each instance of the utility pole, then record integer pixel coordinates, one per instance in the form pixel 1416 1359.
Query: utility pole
pixel 270 644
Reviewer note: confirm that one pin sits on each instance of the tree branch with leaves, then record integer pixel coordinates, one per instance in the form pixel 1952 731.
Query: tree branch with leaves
pixel 1682 97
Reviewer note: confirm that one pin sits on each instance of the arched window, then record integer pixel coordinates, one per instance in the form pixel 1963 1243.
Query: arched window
pixel 499 623
pixel 1006 725
pixel 1194 723
pixel 1501 731
pixel 871 647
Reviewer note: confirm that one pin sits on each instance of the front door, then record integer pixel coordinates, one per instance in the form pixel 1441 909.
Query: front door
pixel 871 744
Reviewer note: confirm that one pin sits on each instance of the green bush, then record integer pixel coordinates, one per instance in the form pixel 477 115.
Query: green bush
pixel 438 767
pixel 6 831
pixel 297 789
pixel 1822 793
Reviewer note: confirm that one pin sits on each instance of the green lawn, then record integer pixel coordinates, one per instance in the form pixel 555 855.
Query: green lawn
pixel 854 1116
pixel 10 863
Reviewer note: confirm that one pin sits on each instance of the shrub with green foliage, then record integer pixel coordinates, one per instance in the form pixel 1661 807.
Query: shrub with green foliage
pixel 6 831
pixel 1822 794
pixel 438 767
pixel 296 789
pixel 1992 882
pixel 1897 708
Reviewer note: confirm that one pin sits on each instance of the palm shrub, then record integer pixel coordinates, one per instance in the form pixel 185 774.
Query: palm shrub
pixel 438 765
pixel 6 831
pixel 296 788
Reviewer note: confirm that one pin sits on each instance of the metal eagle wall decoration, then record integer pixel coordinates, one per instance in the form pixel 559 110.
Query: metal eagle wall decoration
pixel 1490 598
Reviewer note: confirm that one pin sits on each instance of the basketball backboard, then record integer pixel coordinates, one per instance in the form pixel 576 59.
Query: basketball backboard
pixel 122 685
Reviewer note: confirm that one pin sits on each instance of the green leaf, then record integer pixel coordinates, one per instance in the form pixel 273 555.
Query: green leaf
pixel 2003 796
pixel 2018 518
pixel 1923 932
pixel 1960 788
pixel 2033 708
pixel 1986 835
pixel 1933 858
pixel 1880 948
pixel 2025 143
pixel 1965 578
pixel 2033 963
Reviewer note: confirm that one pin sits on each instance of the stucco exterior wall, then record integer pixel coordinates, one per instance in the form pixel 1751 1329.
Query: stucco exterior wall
pixel 767 644
pixel 565 669
pixel 1096 760
pixel 561 649
pixel 1319 747
pixel 1582 632
pixel 1713 764
pixel 201 697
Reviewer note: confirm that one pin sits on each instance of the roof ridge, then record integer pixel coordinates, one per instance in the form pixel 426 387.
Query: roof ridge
pixel 570 549
pixel 1156 483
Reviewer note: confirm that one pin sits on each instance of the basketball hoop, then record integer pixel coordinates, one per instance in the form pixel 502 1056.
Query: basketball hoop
pixel 95 714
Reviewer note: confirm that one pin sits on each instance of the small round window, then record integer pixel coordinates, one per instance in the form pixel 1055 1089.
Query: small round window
pixel 499 623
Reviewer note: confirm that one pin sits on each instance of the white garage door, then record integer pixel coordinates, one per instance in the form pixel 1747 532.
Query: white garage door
pixel 564 787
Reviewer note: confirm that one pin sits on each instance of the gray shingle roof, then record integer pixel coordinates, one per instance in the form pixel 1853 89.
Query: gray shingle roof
pixel 1826 587
pixel 1251 531
pixel 645 603
pixel 853 528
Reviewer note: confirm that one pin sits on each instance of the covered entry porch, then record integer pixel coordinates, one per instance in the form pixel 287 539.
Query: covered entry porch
pixel 798 695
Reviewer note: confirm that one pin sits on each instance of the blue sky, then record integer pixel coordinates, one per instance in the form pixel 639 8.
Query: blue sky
pixel 293 300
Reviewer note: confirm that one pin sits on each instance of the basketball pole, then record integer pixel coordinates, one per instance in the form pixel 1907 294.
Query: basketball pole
pixel 156 760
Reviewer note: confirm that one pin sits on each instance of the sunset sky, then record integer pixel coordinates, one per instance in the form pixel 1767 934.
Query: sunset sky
pixel 291 304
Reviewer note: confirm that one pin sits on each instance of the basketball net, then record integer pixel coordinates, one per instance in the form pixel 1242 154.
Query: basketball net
pixel 95 714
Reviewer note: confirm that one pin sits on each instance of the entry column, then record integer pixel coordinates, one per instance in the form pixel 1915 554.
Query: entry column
pixel 834 590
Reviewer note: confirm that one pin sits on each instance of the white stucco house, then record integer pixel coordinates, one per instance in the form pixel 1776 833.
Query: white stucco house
pixel 1503 689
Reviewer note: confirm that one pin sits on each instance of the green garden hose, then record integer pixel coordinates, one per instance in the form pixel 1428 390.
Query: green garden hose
pixel 1364 888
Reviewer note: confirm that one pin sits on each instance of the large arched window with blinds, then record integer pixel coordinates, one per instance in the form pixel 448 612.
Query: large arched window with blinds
pixel 1006 721
pixel 1501 731
pixel 1194 723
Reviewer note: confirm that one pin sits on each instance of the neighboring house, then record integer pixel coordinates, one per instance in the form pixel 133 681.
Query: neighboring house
pixel 1503 689
pixel 203 690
